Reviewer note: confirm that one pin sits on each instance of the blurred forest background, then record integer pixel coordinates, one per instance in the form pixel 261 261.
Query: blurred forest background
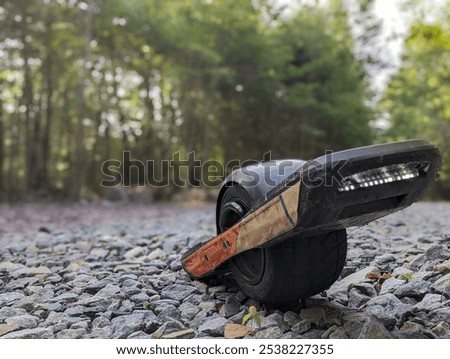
pixel 83 81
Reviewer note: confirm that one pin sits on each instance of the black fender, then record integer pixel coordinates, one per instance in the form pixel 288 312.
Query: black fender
pixel 258 179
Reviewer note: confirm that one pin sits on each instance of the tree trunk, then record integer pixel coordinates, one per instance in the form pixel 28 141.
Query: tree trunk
pixel 27 100
pixel 2 153
pixel 80 162
pixel 46 136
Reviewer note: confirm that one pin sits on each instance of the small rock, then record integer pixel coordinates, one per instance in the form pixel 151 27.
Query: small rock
pixel 352 328
pixel 231 307
pixel 238 317
pixel 41 272
pixel 71 334
pixel 168 328
pixel 217 289
pixel 54 278
pixel 442 285
pixel 302 327
pixel 82 280
pixel 182 334
pixel 290 335
pixel 387 307
pixel 196 299
pixel 65 298
pixel 75 265
pixel 126 267
pixel 425 275
pixel 24 321
pixel 323 317
pixel 10 267
pixel 100 333
pixel 429 302
pixel 390 285
pixel 374 329
pixel 127 306
pixel 189 310
pixel 415 289
pixel 177 291
pixel 402 273
pixel 291 318
pixel 76 311
pixel 417 262
pixel 367 289
pixel 58 318
pixel 10 298
pixel 157 254
pixel 94 287
pixel 100 253
pixel 269 333
pixel 314 314
pixel 274 320
pixel 201 288
pixel 7 328
pixel 80 325
pixel 214 327
pixel 440 314
pixel 22 283
pixel 100 322
pixel 437 251
pixel 134 253
pixel 28 303
pixel 313 334
pixel 385 259
pixel 342 286
pixel 442 330
pixel 409 301
pixel 412 327
pixel 46 228
pixel 140 298
pixel 169 314
pixel 36 333
pixel 125 325
pixel 139 335
pixel 356 299
pixel 7 312
pixel 399 334
pixel 326 334
pixel 339 333
pixel 209 306
pixel 443 268
pixel 111 291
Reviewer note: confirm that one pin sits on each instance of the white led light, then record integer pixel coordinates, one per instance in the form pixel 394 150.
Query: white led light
pixel 381 175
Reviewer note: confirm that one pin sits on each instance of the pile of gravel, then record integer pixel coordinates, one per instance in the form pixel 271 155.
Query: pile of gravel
pixel 124 280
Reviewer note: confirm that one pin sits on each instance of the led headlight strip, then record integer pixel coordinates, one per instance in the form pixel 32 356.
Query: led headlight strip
pixel 381 175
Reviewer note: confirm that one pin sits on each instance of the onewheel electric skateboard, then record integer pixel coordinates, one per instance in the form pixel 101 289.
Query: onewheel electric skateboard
pixel 281 224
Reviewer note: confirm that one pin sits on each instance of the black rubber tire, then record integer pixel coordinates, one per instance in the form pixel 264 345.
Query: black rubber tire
pixel 282 274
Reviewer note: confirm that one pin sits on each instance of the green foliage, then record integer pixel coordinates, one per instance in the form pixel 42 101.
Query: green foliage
pixel 417 100
pixel 409 277
pixel 252 315
pixel 228 79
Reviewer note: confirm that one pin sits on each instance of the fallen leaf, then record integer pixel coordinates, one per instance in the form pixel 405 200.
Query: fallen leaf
pixel 373 275
pixel 233 331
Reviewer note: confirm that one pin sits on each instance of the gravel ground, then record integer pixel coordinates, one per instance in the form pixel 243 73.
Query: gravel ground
pixel 122 278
